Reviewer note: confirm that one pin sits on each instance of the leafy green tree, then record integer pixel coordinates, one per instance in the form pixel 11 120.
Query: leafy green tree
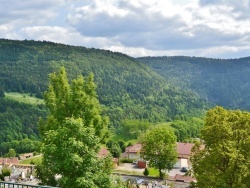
pixel 133 128
pixel 159 148
pixel 72 134
pixel 224 162
pixel 114 148
pixel 122 145
pixel 11 153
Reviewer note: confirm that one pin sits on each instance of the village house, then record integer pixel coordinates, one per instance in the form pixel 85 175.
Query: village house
pixel 133 152
pixel 25 156
pixel 183 150
pixel 184 154
pixel 9 161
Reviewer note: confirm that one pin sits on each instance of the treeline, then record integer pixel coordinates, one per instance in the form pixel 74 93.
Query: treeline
pixel 224 82
pixel 20 146
pixel 186 129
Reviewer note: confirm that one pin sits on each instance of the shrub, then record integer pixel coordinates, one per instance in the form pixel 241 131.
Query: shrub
pixel 125 160
pixel 146 172
pixel 6 171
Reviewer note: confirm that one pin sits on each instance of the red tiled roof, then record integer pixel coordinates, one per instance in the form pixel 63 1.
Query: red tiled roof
pixel 13 160
pixel 134 148
pixel 103 152
pixel 184 148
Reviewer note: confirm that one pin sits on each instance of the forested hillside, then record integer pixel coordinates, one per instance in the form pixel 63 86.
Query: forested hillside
pixel 19 125
pixel 126 88
pixel 225 82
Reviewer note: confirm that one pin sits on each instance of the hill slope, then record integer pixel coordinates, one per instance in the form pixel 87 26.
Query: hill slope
pixel 224 82
pixel 126 87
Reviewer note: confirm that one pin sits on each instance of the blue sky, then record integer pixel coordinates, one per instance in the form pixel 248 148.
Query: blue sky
pixel 206 28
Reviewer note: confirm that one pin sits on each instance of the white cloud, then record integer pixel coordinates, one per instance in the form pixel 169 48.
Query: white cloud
pixel 135 27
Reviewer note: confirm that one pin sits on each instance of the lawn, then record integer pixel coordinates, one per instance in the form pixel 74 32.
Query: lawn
pixel 116 138
pixel 24 98
pixel 31 160
pixel 153 172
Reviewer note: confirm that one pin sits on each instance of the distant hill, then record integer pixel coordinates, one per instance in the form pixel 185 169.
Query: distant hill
pixel 224 82
pixel 127 88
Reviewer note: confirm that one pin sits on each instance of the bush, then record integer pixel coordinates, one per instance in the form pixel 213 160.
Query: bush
pixel 146 172
pixel 1 177
pixel 6 171
pixel 125 160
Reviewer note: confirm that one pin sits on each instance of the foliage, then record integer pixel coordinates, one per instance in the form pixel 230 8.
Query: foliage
pixel 114 148
pixel 159 148
pixel 127 88
pixel 223 82
pixel 122 145
pixel 11 153
pixel 6 171
pixel 133 128
pixel 18 126
pixel 19 120
pixel 22 146
pixel 125 160
pixel 224 162
pixel 72 133
pixel 1 177
pixel 187 129
pixel 146 172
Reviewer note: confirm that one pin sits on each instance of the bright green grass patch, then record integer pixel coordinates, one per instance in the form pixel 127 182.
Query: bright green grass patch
pixel 126 140
pixel 32 160
pixel 24 98
pixel 153 172
pixel 166 124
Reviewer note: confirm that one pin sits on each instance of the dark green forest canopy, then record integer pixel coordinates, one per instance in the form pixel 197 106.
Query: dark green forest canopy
pixel 126 88
pixel 224 82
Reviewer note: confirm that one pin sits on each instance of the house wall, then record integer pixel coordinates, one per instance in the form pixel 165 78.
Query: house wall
pixel 133 155
pixel 181 163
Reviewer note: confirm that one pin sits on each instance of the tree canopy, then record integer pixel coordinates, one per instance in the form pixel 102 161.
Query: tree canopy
pixel 72 134
pixel 225 161
pixel 159 148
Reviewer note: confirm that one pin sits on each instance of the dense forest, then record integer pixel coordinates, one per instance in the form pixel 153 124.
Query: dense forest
pixel 224 82
pixel 126 87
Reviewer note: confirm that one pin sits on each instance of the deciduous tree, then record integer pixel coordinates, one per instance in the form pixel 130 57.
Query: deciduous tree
pixel 71 135
pixel 159 148
pixel 225 161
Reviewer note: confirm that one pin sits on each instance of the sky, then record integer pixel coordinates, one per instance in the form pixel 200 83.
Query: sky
pixel 201 28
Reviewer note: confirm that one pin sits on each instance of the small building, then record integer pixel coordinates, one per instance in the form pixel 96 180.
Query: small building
pixel 184 154
pixel 141 164
pixel 133 152
pixel 13 160
pixel 26 155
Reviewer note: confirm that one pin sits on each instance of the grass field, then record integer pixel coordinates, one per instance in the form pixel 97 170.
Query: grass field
pixel 24 98
pixel 31 160
pixel 121 137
